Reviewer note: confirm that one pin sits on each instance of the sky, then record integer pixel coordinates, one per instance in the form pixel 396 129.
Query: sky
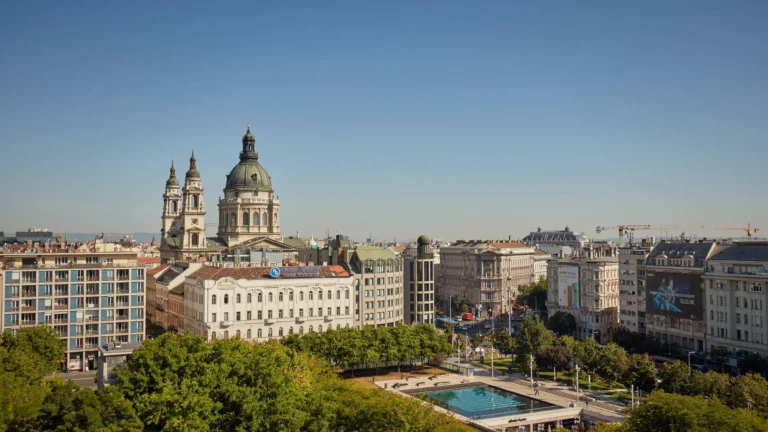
pixel 452 119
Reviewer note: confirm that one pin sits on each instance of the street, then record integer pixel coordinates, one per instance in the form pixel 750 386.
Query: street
pixel 83 379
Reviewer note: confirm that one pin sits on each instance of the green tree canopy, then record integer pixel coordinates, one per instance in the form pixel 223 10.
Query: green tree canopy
pixel 675 378
pixel 559 357
pixel 612 362
pixel 641 372
pixel 562 323
pixel 503 342
pixel 41 341
pixel 532 337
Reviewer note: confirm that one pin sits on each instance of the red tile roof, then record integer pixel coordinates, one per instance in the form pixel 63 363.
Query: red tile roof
pixel 216 273
pixel 148 260
pixel 157 269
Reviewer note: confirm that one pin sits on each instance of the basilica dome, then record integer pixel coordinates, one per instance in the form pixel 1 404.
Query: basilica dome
pixel 249 174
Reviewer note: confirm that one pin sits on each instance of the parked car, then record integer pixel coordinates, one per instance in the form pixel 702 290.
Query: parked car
pixel 487 326
pixel 467 316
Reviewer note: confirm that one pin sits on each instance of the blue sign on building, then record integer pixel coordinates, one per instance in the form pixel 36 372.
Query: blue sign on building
pixel 274 272
pixel 313 271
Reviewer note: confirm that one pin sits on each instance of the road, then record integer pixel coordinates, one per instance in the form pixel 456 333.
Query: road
pixel 478 327
pixel 83 379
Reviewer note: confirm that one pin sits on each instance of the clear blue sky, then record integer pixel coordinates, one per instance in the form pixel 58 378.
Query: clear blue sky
pixel 455 119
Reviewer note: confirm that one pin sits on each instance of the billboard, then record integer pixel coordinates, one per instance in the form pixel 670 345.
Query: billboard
pixel 568 286
pixel 673 294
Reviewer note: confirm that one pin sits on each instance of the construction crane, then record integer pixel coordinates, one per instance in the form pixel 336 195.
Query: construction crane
pixel 103 234
pixel 748 229
pixel 666 228
pixel 623 229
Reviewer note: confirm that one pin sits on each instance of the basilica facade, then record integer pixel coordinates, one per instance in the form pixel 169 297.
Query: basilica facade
pixel 249 215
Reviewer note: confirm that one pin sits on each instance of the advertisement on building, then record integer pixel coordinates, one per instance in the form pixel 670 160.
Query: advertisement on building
pixel 568 286
pixel 673 294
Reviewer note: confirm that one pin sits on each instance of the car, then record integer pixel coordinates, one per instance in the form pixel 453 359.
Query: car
pixel 487 326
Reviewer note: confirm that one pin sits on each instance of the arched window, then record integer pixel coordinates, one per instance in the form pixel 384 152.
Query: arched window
pixel 213 299
pixel 310 295
pixel 193 201
pixel 310 329
pixel 301 330
pixel 290 296
pixel 269 296
pixel 174 206
pixel 290 330
pixel 274 220
pixel 269 332
pixel 320 295
pixel 213 336
pixel 237 334
pixel 338 326
pixel 238 298
pixel 226 298
pixel 264 218
pixel 390 265
pixel 280 297
pixel 320 328
pixel 346 326
pixel 258 333
pixel 195 239
pixel 248 334
pixel 330 295
pixel 226 334
pixel 232 219
pixel 280 332
pixel 346 294
pixel 249 298
pixel 258 297
pixel 338 295
pixel 246 218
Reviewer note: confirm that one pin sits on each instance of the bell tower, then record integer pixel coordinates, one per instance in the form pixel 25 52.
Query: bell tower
pixel 171 205
pixel 192 232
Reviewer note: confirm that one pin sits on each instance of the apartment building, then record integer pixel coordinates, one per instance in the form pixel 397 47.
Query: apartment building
pixel 632 286
pixel 675 308
pixel 165 294
pixel 420 284
pixel 736 297
pixel 260 303
pixel 484 274
pixel 588 289
pixel 90 298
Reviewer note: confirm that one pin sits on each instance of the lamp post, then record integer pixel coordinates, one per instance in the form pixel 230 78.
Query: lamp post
pixel 577 383
pixel 531 370
pixel 449 308
pixel 689 358
pixel 509 310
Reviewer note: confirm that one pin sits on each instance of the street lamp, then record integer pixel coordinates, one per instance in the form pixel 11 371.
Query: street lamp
pixel 509 310
pixel 689 358
pixel 577 383
pixel 531 370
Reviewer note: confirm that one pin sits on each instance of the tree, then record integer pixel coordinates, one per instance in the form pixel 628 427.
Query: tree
pixel 675 378
pixel 587 354
pixel 437 360
pixel 612 362
pixel 719 358
pixel 532 337
pixel 551 357
pixel 562 323
pixel 41 341
pixel 504 342
pixel 750 390
pixel 641 372
pixel 477 340
pixel 628 340
pixel 533 295
pixel 662 411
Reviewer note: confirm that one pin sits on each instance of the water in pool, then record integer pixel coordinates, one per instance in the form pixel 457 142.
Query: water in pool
pixel 485 401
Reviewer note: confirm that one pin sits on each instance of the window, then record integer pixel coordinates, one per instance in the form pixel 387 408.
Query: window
pixel 301 296
pixel 237 334
pixel 280 297
pixel 248 334
pixel 346 310
pixel 246 219
pixel 269 314
pixel 319 328
pixel 301 313
pixel 226 316
pixel 280 332
pixel 248 315
pixel 237 316
pixel 310 295
pixel 319 311
pixel 290 330
pixel 258 333
pixel 264 218
pixel 311 312
pixel 226 298
pixel 329 312
pixel 338 295
pixel 213 317
pixel 213 336
pixel 310 329
pixel 213 299
pixel 346 294
pixel 269 297
pixel 338 310
pixel 290 296
pixel 258 316
pixel 238 298
pixel 195 239
pixel 269 332
pixel 280 313
pixel 290 313
pixel 330 296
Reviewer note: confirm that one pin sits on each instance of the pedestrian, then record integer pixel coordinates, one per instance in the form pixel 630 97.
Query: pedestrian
pixel 536 388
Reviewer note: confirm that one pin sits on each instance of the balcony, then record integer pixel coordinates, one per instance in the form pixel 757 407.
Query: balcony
pixel 92 278
pixel 91 319
pixel 78 333
pixel 62 279
pixel 26 308
pixel 91 346
pixel 122 330
pixel 60 321
pixel 123 290
pixel 92 332
pixel 121 317
pixel 270 321
pixel 301 319
pixel 328 318
pixel 60 307
pixel 28 293
pixel 121 305
pixel 225 323
pixel 26 323
pixel 93 305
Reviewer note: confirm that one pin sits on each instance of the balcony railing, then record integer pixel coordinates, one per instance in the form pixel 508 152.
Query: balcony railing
pixel 91 319
pixel 28 323
pixel 121 317
pixel 14 309
pixel 28 294
pixel 123 291
pixel 91 346
pixel 27 308
pixel 92 332
pixel 122 330
pixel 328 318
pixel 61 279
pixel 225 323
pixel 122 304
pixel 60 307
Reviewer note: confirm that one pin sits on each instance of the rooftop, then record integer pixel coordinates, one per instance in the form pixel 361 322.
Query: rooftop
pixel 579 260
pixel 121 349
pixel 157 269
pixel 742 251
pixel 698 250
pixel 216 273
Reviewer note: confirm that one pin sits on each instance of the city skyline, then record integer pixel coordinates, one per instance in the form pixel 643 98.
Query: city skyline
pixel 496 121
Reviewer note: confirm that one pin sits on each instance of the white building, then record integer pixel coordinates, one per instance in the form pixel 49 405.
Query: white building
pixel 420 284
pixel 736 296
pixel 631 287
pixel 258 303
pixel 588 289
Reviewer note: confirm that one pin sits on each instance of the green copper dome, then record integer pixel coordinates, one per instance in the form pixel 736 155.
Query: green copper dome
pixel 423 240
pixel 249 174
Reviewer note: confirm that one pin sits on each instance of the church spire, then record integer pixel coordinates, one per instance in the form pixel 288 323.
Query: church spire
pixel 172 181
pixel 249 145
pixel 193 173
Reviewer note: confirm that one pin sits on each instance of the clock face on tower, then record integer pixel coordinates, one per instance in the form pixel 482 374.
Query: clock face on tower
pixel 194 221
pixel 174 227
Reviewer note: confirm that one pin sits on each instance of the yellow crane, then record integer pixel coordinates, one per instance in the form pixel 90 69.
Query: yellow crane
pixel 748 229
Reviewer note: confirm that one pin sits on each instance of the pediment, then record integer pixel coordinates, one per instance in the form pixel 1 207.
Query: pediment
pixel 266 243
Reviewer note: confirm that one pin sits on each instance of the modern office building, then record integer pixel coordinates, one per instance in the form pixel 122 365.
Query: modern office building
pixel 260 303
pixel 420 284
pixel 89 298
pixel 631 286
pixel 483 274
pixel 675 307
pixel 588 289
pixel 736 298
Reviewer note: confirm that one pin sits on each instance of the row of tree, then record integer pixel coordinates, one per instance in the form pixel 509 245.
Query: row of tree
pixel 350 349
